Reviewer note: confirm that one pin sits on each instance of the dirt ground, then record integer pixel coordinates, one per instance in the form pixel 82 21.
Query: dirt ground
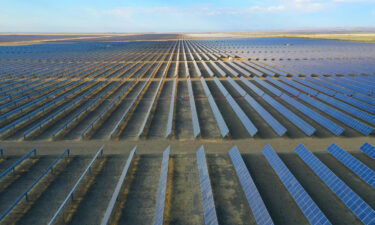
pixel 249 145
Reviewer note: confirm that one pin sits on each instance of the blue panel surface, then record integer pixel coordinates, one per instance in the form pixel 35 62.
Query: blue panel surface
pixel 253 197
pixel 368 150
pixel 209 210
pixel 296 120
pixel 312 212
pixel 160 197
pixel 353 164
pixel 355 203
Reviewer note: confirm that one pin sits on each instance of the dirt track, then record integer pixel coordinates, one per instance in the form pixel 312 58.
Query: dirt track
pixel 250 145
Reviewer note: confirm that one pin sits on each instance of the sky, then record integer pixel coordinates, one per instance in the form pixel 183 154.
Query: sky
pixel 182 15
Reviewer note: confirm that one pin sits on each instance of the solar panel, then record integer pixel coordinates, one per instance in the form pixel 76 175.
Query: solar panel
pixel 248 186
pixel 272 89
pixel 187 73
pixel 368 150
pixel 17 163
pixel 358 82
pixel 361 80
pixel 350 85
pixel 52 94
pixel 299 86
pixel 348 108
pixel 359 207
pixel 268 118
pixel 177 63
pixel 244 72
pixel 364 98
pixel 250 127
pixel 118 125
pixel 308 207
pixel 320 119
pixel 116 192
pixel 25 194
pixel 218 69
pixel 331 86
pixel 212 56
pixel 263 70
pixel 204 55
pixel 160 197
pixel 224 130
pixel 197 70
pixel 352 163
pixel 276 126
pixel 221 87
pixel 236 86
pixel 66 108
pixel 273 69
pixel 209 210
pixel 205 87
pixel 350 121
pixel 193 109
pixel 76 186
pixel 296 120
pixel 254 88
pixel 355 102
pixel 209 71
pixel 252 70
pixel 287 88
pixel 147 119
pixel 315 86
pixel 234 73
pixel 168 131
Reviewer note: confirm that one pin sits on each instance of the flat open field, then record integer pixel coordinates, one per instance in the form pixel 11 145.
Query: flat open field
pixel 342 36
pixel 151 91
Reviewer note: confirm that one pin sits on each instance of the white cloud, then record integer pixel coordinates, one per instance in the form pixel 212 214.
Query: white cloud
pixel 129 12
pixel 353 1
pixel 123 12
pixel 308 5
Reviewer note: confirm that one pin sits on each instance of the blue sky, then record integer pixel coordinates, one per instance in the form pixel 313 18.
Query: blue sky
pixel 181 15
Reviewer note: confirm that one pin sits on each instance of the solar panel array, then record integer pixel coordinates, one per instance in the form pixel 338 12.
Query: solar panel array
pixel 119 125
pixel 147 120
pixel 224 130
pixel 247 123
pixel 295 119
pixel 160 199
pixel 25 194
pixel 116 192
pixel 91 89
pixel 79 181
pixel 250 184
pixel 368 150
pixel 194 115
pixel 350 109
pixel 354 202
pixel 315 86
pixel 352 163
pixel 323 121
pixel 253 197
pixel 320 119
pixel 312 212
pixel 17 163
pixel 209 210
pixel 348 120
pixel 268 118
pixel 171 110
